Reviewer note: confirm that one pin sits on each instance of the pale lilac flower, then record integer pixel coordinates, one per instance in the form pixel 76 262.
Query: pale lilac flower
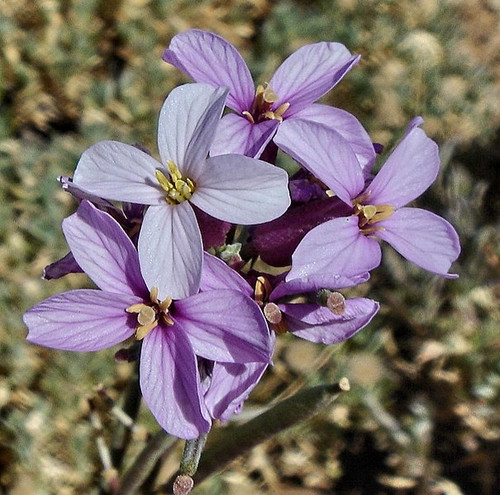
pixel 378 210
pixel 220 325
pixel 232 188
pixel 303 78
pixel 311 307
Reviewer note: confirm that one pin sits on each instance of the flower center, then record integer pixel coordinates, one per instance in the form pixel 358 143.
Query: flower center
pixel 177 188
pixel 370 214
pixel 148 315
pixel 265 98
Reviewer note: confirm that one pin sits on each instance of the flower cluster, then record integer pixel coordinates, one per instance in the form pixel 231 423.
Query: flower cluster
pixel 171 244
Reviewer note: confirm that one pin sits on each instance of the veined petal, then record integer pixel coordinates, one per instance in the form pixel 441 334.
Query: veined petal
pixel 170 250
pixel 231 384
pixel 81 320
pixel 320 327
pixel 225 325
pixel 208 58
pixel 410 169
pixel 325 153
pixel 422 237
pixel 336 247
pixel 103 250
pixel 217 275
pixel 348 126
pixel 170 383
pixel 236 134
pixel 310 72
pixel 187 125
pixel 120 172
pixel 239 189
pixel 315 282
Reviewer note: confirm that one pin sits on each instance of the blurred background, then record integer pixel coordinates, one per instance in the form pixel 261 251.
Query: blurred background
pixel 422 415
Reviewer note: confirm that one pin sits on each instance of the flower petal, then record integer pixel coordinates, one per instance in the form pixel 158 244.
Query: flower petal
pixel 120 172
pixel 310 72
pixel 236 134
pixel 239 189
pixel 217 275
pixel 422 237
pixel 230 385
pixel 336 247
pixel 81 320
pixel 225 325
pixel 322 326
pixel 410 169
pixel 103 250
pixel 208 58
pixel 170 383
pixel 325 153
pixel 348 126
pixel 187 125
pixel 315 282
pixel 170 250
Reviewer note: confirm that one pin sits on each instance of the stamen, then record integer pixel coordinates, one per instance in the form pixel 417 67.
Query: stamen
pixel 370 214
pixel 177 187
pixel 262 290
pixel 261 110
pixel 148 314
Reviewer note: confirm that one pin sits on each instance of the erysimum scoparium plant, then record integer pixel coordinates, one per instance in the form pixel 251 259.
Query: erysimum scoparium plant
pixel 207 328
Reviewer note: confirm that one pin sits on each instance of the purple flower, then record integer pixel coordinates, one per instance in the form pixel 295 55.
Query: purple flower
pixel 378 210
pixel 220 325
pixel 312 307
pixel 232 188
pixel 303 78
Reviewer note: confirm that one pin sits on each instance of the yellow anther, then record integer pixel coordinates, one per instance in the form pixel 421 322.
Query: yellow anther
pixel 268 95
pixel 174 171
pixel 177 187
pixel 369 211
pixel 162 179
pixel 148 314
pixel 370 214
pixel 262 290
pixel 142 330
pixel 264 99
